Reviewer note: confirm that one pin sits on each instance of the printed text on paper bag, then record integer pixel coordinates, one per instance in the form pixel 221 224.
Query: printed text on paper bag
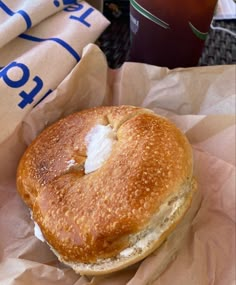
pixel 22 70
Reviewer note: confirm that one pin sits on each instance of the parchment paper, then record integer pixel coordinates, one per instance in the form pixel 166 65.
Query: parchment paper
pixel 201 101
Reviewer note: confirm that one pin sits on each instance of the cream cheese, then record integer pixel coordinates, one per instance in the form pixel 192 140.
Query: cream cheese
pixel 70 163
pixel 99 143
pixel 38 233
pixel 127 252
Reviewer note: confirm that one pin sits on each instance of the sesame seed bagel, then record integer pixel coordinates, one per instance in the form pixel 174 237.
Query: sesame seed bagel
pixel 105 219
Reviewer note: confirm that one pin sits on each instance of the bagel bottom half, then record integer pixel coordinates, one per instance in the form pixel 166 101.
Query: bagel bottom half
pixel 157 262
pixel 152 240
pixel 100 214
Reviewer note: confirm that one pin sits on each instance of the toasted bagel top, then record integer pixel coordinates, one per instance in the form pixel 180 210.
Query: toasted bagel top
pixel 88 217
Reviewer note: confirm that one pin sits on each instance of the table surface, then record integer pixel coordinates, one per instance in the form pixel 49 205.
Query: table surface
pixel 219 49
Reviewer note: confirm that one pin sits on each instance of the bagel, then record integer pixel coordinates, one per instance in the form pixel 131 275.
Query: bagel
pixel 107 185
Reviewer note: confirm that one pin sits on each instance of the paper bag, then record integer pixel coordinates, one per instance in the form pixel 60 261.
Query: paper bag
pixel 41 42
pixel 201 103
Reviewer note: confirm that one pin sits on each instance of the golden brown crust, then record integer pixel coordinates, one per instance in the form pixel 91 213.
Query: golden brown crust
pixel 89 217
pixel 107 266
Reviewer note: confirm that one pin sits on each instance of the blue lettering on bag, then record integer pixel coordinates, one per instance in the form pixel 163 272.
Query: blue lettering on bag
pixel 83 17
pixel 78 7
pixel 56 40
pixel 9 12
pixel 65 2
pixel 15 83
pixel 27 98
pixel 74 7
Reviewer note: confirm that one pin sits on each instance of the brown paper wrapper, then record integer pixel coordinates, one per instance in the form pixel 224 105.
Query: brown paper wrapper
pixel 201 102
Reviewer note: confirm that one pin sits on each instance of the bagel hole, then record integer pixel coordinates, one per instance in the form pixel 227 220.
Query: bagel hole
pixel 117 124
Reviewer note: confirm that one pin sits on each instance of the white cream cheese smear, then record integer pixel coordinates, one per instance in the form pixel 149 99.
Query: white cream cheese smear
pixel 70 163
pixel 99 143
pixel 38 233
